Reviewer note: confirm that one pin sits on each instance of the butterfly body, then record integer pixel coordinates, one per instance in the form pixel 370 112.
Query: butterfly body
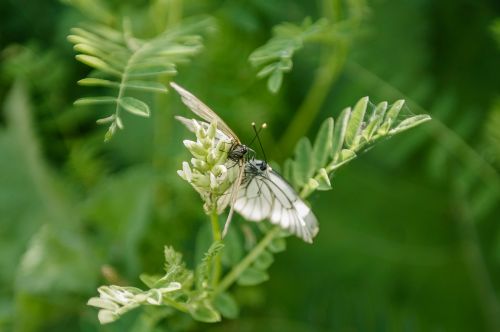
pixel 237 152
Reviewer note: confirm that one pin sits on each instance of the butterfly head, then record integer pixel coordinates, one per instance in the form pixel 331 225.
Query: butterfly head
pixel 262 165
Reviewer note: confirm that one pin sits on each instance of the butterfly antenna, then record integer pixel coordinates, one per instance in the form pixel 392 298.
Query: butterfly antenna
pixel 264 125
pixel 258 132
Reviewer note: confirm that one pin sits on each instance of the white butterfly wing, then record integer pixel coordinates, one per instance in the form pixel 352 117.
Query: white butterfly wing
pixel 202 110
pixel 268 196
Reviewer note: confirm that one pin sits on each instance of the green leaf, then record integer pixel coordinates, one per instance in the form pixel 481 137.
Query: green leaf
pixel 322 144
pixel 146 86
pixel 94 100
pixel 302 169
pixel 410 123
pixel 204 312
pixel 252 276
pixel 134 61
pixel 233 251
pixel 89 81
pixel 134 106
pixel 371 128
pixel 323 180
pixel 276 54
pixel 288 170
pixel 204 267
pixel 226 305
pixel 97 63
pixel 277 245
pixel 391 117
pixel 150 280
pixel 151 71
pixel 264 260
pixel 339 133
pixel 312 184
pixel 135 85
pixel 355 122
pixel 111 131
pixel 114 61
pixel 379 111
pixel 267 70
pixel 274 81
pixel 347 155
pixel 102 45
pixel 105 32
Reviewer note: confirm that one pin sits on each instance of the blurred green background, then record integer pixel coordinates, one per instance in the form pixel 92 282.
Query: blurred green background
pixel 410 236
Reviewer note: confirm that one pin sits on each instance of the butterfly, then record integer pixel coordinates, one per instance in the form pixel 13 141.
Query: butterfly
pixel 258 193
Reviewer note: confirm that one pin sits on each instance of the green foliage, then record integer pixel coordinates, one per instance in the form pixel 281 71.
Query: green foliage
pixel 275 57
pixel 310 170
pixel 412 221
pixel 132 63
pixel 335 146
pixel 176 288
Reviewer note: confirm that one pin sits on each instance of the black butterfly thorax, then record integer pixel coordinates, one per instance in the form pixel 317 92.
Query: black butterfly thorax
pixel 237 152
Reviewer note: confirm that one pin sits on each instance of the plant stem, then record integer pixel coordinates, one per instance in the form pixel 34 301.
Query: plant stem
pixel 174 12
pixel 177 305
pixel 235 272
pixel 216 270
pixel 331 64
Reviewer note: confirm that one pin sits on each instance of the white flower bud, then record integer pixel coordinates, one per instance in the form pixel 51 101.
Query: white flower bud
pixel 219 171
pixel 196 149
pixel 208 174
pixel 202 181
pixel 187 171
pixel 212 130
pixel 206 142
pixel 213 181
pixel 223 146
pixel 200 165
pixel 199 131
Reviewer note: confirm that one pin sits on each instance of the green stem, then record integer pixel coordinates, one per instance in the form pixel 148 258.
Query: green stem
pixel 175 12
pixel 235 272
pixel 216 271
pixel 336 164
pixel 177 305
pixel 326 74
pixel 331 63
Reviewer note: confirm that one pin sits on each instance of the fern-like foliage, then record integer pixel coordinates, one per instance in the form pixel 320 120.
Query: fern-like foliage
pixel 178 288
pixel 123 62
pixel 336 145
pixel 275 57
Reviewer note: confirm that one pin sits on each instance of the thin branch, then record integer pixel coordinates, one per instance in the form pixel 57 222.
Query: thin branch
pixel 236 271
pixel 326 74
pixel 216 271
